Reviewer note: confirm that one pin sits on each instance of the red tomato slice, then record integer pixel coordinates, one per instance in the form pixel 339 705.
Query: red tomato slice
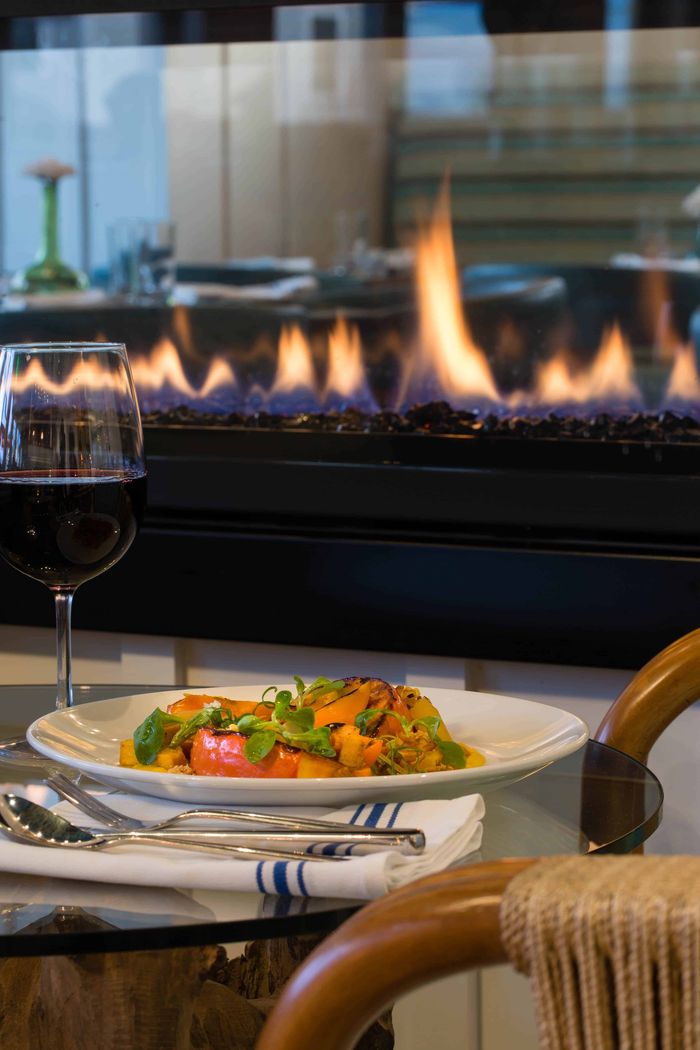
pixel 217 753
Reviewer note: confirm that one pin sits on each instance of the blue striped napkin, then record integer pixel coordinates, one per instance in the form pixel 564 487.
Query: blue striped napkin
pixel 453 830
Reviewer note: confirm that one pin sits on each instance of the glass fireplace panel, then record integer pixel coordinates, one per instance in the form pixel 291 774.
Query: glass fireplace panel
pixel 459 229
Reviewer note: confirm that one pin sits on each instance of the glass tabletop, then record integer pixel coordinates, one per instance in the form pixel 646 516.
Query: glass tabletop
pixel 597 800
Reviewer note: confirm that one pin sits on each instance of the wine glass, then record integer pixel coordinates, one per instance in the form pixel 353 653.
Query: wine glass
pixel 72 470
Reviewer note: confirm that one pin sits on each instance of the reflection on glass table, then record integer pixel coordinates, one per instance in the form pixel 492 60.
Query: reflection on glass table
pixel 596 800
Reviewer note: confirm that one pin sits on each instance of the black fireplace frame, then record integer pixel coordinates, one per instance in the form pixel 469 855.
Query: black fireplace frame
pixel 269 537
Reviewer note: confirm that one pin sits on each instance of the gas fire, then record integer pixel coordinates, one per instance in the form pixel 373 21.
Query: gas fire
pixel 331 370
pixel 608 380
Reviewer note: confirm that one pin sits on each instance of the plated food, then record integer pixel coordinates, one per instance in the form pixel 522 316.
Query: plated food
pixel 349 727
pixel 515 737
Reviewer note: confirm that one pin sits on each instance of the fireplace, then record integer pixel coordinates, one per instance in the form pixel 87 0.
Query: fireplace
pixel 470 423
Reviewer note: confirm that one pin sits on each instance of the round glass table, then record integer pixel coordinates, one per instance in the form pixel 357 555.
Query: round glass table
pixel 597 800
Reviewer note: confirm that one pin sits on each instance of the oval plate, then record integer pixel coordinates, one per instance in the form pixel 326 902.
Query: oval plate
pixel 517 737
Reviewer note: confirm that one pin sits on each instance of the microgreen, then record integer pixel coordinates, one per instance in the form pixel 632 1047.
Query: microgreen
pixel 259 744
pixel 432 724
pixel 324 685
pixel 248 724
pixel 215 717
pixel 300 721
pixel 363 719
pixel 316 741
pixel 452 753
pixel 149 737
pixel 290 723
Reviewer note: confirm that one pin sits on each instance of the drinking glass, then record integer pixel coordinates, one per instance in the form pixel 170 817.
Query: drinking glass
pixel 142 259
pixel 72 470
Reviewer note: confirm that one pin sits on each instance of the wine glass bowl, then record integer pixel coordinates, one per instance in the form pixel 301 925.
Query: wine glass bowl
pixel 72 469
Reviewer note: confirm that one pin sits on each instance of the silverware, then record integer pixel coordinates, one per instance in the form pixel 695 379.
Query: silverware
pixel 17 749
pixel 26 821
pixel 412 839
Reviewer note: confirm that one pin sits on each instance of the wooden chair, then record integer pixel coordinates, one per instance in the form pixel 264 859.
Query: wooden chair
pixel 658 693
pixel 607 970
pixel 437 927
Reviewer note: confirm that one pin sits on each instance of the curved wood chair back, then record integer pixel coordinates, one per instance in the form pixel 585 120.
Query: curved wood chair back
pixel 430 929
pixel 658 693
pixel 610 946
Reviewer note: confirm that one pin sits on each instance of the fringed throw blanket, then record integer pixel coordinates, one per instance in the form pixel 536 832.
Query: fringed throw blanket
pixel 612 948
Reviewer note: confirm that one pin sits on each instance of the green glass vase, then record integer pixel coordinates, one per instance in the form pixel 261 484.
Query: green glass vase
pixel 48 273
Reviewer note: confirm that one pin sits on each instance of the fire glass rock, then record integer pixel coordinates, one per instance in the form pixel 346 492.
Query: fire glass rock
pixel 438 417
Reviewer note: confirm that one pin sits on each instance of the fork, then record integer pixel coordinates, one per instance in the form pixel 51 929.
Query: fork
pixel 410 840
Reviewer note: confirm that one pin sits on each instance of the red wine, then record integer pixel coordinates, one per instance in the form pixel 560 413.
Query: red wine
pixel 64 527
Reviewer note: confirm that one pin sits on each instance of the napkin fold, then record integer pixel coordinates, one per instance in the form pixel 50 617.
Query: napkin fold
pixel 189 294
pixel 452 827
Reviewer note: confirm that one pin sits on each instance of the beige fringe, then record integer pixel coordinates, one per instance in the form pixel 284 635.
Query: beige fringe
pixel 612 949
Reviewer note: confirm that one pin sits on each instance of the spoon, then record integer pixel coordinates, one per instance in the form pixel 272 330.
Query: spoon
pixel 27 821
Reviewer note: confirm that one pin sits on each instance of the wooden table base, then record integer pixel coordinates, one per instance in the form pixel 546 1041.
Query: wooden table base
pixel 179 999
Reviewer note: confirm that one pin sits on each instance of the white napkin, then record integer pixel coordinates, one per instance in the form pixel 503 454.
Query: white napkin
pixel 452 828
pixel 190 294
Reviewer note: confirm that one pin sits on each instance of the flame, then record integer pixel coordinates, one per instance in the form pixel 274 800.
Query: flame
pixel 612 374
pixel 183 329
pixel 295 367
pixel 684 380
pixel 346 382
pixel 86 373
pixel 220 375
pixel 346 372
pixel 163 368
pixel 444 363
pixel 556 384
pixel 609 379
pixel 460 366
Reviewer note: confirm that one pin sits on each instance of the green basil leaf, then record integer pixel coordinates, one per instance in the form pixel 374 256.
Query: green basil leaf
pixel 452 753
pixel 301 688
pixel 248 724
pixel 149 737
pixel 258 745
pixel 316 741
pixel 301 720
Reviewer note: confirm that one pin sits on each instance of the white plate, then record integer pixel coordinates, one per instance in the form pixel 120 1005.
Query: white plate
pixel 517 737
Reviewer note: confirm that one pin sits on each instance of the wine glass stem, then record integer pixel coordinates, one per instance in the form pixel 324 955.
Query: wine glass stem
pixel 64 682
